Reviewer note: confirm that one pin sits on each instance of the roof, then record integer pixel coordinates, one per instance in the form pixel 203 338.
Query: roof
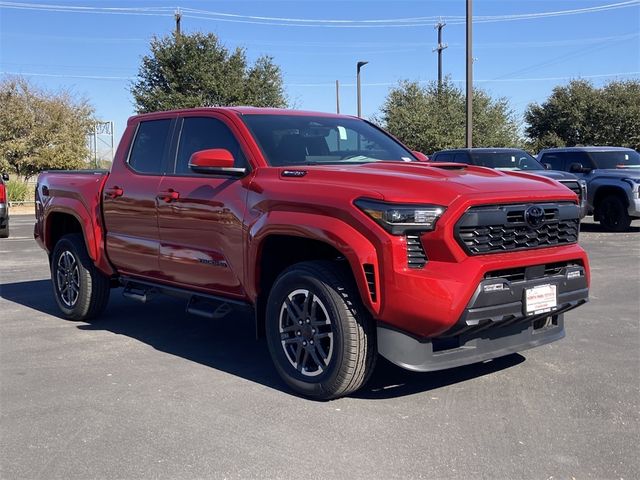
pixel 481 150
pixel 587 149
pixel 240 110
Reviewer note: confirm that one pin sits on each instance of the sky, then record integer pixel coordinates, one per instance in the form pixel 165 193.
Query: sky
pixel 95 52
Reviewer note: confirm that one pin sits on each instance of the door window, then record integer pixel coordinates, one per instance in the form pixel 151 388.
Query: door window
pixel 443 157
pixel 554 160
pixel 461 158
pixel 149 145
pixel 204 133
pixel 576 157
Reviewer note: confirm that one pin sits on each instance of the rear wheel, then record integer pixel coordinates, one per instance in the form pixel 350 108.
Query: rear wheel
pixel 80 289
pixel 320 336
pixel 613 214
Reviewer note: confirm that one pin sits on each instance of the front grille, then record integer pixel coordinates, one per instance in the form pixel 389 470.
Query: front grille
pixel 574 187
pixel 416 257
pixel 503 228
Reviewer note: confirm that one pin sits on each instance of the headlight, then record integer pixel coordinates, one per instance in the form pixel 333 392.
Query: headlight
pixel 398 219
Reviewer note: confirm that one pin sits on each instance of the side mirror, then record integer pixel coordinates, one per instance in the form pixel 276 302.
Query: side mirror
pixel 420 156
pixel 215 161
pixel 5 176
pixel 578 168
pixel 547 166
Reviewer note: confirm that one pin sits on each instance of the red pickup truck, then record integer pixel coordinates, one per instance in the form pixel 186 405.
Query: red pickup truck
pixel 340 239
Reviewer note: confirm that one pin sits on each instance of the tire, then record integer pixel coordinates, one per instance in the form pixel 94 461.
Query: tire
pixel 80 289
pixel 613 214
pixel 332 352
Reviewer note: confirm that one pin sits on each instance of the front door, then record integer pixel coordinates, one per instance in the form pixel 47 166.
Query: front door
pixel 200 215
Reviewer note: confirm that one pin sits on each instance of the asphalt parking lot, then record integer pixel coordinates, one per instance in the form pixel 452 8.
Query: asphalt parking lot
pixel 150 392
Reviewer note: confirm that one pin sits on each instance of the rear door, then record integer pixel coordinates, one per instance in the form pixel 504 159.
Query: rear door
pixel 200 216
pixel 129 200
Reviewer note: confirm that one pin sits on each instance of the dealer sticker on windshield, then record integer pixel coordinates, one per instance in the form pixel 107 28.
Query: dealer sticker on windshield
pixel 541 299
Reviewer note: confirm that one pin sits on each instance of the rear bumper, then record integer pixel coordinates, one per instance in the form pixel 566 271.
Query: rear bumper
pixel 494 323
pixel 4 217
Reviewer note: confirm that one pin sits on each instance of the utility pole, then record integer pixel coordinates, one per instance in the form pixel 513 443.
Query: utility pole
pixel 337 96
pixel 359 65
pixel 178 16
pixel 441 46
pixel 469 133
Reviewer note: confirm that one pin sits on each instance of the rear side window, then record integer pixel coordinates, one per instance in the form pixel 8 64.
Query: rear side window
pixel 204 133
pixel 554 160
pixel 149 146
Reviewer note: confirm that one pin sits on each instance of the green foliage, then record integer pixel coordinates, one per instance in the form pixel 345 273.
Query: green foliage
pixel 17 191
pixel 41 130
pixel 196 70
pixel 580 114
pixel 429 120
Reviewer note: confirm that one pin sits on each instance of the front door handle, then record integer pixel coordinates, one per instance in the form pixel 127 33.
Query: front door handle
pixel 113 192
pixel 169 196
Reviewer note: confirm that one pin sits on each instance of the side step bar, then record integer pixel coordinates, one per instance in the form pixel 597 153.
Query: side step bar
pixel 200 304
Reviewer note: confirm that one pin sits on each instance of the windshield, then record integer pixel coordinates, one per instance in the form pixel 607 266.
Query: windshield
pixel 509 160
pixel 616 159
pixel 307 140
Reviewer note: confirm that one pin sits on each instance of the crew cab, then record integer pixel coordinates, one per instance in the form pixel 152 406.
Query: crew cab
pixel 340 240
pixel 515 160
pixel 613 180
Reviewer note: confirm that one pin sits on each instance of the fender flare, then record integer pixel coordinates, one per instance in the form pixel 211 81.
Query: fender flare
pixel 356 248
pixel 92 233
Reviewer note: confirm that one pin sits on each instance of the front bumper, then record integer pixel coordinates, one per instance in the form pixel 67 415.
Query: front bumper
pixel 634 207
pixel 494 322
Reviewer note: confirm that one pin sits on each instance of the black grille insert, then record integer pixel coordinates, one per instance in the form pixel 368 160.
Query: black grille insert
pixel 370 274
pixel 503 228
pixel 573 186
pixel 416 257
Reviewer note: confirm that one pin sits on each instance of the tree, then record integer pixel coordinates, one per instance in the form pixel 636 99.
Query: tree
pixel 41 130
pixel 581 114
pixel 195 70
pixel 428 119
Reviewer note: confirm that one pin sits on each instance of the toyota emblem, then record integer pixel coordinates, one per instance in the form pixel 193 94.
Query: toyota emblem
pixel 534 216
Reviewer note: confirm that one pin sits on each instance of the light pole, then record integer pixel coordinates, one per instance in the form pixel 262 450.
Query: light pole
pixel 469 142
pixel 359 65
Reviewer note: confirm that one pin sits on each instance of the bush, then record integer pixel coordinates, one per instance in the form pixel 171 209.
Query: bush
pixel 17 191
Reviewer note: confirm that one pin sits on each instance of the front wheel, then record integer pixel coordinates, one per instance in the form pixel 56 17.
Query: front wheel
pixel 80 289
pixel 613 214
pixel 320 336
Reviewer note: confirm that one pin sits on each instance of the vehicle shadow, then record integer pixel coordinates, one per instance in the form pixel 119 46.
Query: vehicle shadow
pixel 596 227
pixel 229 344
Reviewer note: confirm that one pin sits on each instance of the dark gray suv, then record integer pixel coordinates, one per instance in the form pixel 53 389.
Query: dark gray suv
pixel 513 159
pixel 613 180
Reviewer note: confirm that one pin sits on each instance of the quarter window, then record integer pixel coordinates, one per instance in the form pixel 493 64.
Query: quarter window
pixel 149 146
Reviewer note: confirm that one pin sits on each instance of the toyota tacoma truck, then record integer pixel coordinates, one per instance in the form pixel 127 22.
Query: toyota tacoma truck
pixel 340 240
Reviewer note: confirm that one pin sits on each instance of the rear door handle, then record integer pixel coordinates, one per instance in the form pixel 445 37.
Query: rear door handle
pixel 169 196
pixel 113 192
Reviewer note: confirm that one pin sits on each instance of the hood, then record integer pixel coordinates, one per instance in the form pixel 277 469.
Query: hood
pixel 555 174
pixel 616 172
pixel 431 183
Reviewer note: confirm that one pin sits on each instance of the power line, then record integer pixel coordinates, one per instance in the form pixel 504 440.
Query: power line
pixel 332 84
pixel 306 22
